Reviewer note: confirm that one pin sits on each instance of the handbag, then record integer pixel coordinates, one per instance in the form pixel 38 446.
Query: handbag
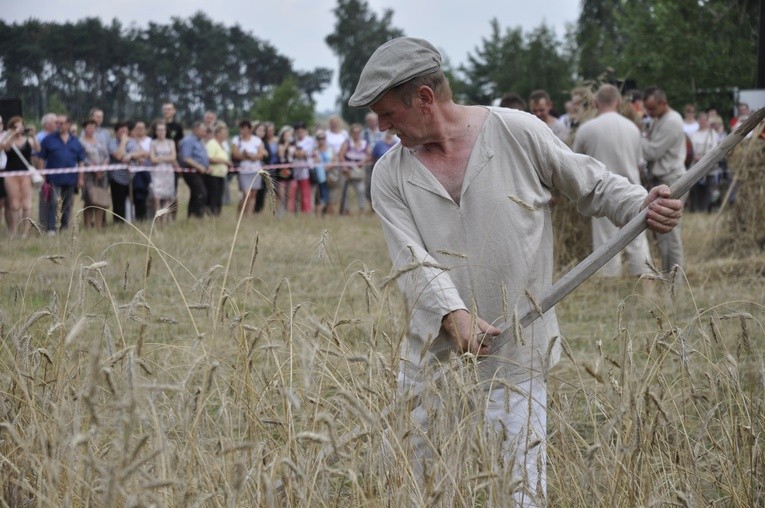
pixel 357 173
pixel 100 196
pixel 333 177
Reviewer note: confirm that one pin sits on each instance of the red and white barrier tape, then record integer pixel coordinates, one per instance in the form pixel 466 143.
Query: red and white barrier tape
pixel 138 169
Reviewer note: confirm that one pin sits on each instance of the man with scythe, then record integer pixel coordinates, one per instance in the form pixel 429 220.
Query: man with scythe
pixel 463 198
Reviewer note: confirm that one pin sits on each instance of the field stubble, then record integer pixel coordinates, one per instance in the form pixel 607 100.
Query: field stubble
pixel 204 364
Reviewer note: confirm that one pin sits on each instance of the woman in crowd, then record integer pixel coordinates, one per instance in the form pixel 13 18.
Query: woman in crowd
pixel 703 193
pixel 220 160
pixel 94 184
pixel 355 150
pixel 141 179
pixel 301 173
pixel 18 147
pixel 248 150
pixel 265 131
pixel 163 157
pixel 122 150
pixel 326 174
pixel 286 154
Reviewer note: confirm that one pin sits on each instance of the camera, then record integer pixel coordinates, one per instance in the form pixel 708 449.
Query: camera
pixel 27 130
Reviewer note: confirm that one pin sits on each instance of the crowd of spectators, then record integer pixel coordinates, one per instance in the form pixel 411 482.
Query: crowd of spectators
pixel 322 169
pixel 659 146
pixel 703 129
pixel 132 173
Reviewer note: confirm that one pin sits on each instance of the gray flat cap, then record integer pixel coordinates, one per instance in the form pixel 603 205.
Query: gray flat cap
pixel 395 62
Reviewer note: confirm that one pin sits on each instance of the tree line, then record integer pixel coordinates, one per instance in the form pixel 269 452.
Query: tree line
pixel 129 72
pixel 697 50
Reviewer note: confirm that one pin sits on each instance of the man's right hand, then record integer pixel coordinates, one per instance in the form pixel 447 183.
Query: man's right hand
pixel 470 334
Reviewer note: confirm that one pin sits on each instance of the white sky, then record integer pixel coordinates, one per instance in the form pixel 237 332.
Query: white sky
pixel 297 28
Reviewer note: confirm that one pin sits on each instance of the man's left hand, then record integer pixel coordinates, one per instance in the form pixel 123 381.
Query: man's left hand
pixel 663 212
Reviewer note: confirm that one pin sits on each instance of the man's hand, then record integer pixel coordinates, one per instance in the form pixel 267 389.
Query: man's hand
pixel 663 212
pixel 470 334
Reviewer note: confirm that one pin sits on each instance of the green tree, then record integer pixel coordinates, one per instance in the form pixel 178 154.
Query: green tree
pixel 357 34
pixel 696 51
pixel 598 36
pixel 285 104
pixel 511 61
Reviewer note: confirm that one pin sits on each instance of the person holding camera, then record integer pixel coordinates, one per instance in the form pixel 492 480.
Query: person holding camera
pixel 18 146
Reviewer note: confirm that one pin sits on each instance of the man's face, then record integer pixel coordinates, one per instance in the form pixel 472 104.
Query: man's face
pixel 98 116
pixel 168 111
pixel 210 118
pixel 406 122
pixel 654 108
pixel 50 124
pixel 541 109
pixel 743 109
pixel 63 124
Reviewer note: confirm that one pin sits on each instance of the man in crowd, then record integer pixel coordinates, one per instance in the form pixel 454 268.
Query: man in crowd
pixel 174 128
pixel 174 132
pixel 467 254
pixel 540 105
pixel 665 150
pixel 59 150
pixel 123 149
pixel 615 141
pixel 48 124
pixel 513 101
pixel 193 155
pixel 102 134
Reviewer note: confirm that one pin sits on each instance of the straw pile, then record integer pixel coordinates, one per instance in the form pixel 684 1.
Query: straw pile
pixel 744 233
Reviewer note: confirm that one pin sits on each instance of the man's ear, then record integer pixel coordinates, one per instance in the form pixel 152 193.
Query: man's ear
pixel 426 95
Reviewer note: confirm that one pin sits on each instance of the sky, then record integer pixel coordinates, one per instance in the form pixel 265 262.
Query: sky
pixel 297 28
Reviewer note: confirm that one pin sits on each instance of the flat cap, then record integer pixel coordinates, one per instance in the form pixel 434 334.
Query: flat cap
pixel 395 62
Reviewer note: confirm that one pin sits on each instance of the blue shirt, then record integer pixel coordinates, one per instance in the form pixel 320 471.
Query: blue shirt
pixel 58 154
pixel 380 148
pixel 193 148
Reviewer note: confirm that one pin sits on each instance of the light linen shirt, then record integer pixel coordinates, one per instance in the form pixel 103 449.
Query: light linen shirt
pixel 484 253
pixel 614 141
pixel 664 148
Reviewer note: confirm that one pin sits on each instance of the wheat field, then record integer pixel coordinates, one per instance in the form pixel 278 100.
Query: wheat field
pixel 225 363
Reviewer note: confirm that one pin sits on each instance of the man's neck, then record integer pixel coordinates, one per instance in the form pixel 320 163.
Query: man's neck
pixel 458 125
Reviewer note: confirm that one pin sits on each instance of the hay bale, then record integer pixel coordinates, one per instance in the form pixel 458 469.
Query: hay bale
pixel 572 233
pixel 744 234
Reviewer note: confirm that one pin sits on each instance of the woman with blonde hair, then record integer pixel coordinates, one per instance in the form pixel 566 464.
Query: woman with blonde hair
pixel 18 146
pixel 220 160
pixel 164 159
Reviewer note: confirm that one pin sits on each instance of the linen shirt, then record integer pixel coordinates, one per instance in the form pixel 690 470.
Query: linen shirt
pixel 484 253
pixel 664 148
pixel 614 141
